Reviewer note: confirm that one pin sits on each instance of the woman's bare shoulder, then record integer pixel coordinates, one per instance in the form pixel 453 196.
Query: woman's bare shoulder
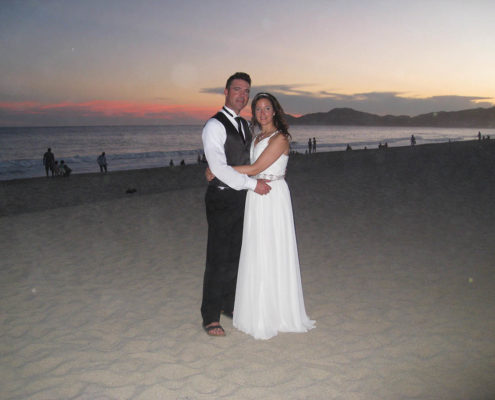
pixel 280 138
pixel 280 141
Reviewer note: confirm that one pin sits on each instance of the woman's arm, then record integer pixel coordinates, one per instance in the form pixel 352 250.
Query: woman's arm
pixel 278 145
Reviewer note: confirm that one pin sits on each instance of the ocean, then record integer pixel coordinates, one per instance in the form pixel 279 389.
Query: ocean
pixel 136 147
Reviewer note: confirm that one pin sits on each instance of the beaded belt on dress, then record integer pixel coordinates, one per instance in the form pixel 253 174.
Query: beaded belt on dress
pixel 269 177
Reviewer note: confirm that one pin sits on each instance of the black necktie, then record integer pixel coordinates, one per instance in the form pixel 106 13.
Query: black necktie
pixel 238 119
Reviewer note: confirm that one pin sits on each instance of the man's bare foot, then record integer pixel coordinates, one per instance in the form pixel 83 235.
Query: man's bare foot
pixel 214 329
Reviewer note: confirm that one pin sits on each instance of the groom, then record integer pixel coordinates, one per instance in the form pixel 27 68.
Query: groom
pixel 226 141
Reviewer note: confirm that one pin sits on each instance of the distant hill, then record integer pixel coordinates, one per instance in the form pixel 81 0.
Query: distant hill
pixel 474 118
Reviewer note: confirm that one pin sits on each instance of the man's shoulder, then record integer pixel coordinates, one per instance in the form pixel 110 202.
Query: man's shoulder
pixel 214 121
pixel 220 116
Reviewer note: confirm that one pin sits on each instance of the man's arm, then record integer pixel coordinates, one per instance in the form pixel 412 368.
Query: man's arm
pixel 262 186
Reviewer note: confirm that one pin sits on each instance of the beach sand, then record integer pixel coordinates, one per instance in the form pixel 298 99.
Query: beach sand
pixel 100 290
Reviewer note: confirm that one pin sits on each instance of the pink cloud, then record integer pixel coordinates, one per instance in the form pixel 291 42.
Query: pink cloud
pixel 113 109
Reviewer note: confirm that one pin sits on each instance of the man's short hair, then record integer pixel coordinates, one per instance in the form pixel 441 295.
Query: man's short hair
pixel 238 75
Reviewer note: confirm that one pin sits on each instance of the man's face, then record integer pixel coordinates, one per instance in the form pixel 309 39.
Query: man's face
pixel 237 95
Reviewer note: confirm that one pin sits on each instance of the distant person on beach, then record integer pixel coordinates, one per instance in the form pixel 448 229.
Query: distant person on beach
pixel 310 146
pixel 314 145
pixel 49 161
pixel 226 141
pixel 413 140
pixel 348 148
pixel 269 297
pixel 182 163
pixel 56 169
pixel 479 135
pixel 64 168
pixel 102 162
pixel 171 163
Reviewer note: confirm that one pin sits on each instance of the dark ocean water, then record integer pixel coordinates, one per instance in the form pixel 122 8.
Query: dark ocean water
pixel 135 147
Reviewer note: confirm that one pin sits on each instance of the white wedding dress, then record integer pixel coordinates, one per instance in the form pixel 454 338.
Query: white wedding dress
pixel 269 297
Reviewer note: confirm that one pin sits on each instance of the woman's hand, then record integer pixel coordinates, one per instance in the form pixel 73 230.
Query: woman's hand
pixel 209 175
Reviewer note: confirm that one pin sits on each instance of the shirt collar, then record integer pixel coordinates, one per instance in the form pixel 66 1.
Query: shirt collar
pixel 230 112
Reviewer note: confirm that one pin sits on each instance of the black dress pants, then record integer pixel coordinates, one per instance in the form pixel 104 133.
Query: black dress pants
pixel 225 216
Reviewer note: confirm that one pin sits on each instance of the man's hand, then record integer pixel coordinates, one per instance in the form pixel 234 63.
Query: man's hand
pixel 262 187
pixel 208 174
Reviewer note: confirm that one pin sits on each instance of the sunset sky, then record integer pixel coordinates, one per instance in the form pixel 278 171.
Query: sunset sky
pixel 95 62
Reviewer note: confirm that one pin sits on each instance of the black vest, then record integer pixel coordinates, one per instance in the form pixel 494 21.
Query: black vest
pixel 236 149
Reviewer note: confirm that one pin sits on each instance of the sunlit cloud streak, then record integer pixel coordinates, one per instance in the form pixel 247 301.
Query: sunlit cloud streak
pixel 100 112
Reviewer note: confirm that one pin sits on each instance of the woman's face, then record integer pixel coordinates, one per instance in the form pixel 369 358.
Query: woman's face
pixel 264 112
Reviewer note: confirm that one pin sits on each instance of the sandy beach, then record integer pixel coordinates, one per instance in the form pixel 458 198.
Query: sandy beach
pixel 100 289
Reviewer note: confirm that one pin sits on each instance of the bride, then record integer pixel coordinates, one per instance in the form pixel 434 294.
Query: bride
pixel 269 297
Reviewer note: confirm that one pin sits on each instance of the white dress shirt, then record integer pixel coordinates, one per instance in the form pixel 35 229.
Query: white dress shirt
pixel 214 137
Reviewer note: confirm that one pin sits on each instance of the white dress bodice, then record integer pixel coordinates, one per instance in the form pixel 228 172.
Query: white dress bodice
pixel 275 171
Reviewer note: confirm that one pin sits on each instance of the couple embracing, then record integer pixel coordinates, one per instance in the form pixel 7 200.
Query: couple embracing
pixel 252 265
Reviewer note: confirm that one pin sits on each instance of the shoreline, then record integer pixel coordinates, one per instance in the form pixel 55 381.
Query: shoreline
pixel 41 193
pixel 24 162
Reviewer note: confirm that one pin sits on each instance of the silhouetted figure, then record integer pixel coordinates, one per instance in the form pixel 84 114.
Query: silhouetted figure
pixel 203 158
pixel 413 140
pixel 49 161
pixel 199 159
pixel 64 168
pixel 314 145
pixel 310 146
pixel 102 162
pixel 171 163
pixel 479 135
pixel 182 163
pixel 56 169
pixel 348 148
